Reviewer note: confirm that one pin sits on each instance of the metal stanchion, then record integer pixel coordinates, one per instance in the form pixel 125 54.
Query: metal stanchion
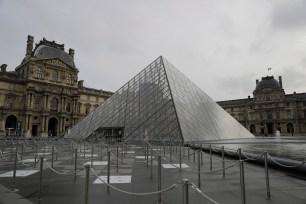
pixel 87 168
pixel 170 152
pixel 210 158
pixel 159 181
pixel 194 155
pixel 201 155
pixel 108 169
pixel 223 162
pixel 267 176
pixel 188 150
pixel 75 162
pixel 183 149
pixel 21 156
pixel 180 157
pixel 151 163
pixel 117 168
pixel 101 151
pixel 185 191
pixel 199 169
pixel 52 157
pixel 242 184
pixel 164 150
pixel 176 148
pixel 35 156
pixel 91 158
pixel 14 172
pixel 239 154
pixel 147 155
pixel 40 178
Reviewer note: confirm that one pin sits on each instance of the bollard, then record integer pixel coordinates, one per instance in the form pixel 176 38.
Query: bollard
pixel 21 156
pixel 267 176
pixel 201 148
pixel 180 157
pixel 183 149
pixel 101 152
pixel 11 150
pixel 87 168
pixel 14 172
pixel 91 158
pixel 194 150
pixel 188 150
pixel 40 178
pixel 159 181
pixel 185 191
pixel 175 148
pixel 170 153
pixel 199 169
pixel 223 162
pixel 147 155
pixel 35 156
pixel 117 168
pixel 52 157
pixel 108 169
pixel 75 162
pixel 242 184
pixel 239 154
pixel 210 158
pixel 151 163
pixel 164 150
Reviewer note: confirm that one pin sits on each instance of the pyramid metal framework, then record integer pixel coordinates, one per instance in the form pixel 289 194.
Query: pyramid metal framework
pixel 161 104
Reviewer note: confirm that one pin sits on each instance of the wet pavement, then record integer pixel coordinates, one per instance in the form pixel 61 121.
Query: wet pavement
pixel 135 177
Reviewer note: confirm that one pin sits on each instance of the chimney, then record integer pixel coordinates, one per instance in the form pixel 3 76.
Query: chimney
pixel 249 97
pixel 29 46
pixel 280 81
pixel 81 83
pixel 257 81
pixel 71 53
pixel 3 67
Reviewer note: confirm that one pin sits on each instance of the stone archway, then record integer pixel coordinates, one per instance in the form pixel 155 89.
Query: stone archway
pixel 52 126
pixel 10 124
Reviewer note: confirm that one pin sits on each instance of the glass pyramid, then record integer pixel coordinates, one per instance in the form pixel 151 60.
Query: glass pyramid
pixel 161 104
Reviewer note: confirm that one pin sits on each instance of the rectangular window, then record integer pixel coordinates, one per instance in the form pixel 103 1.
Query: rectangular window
pixel 269 115
pixel 97 98
pixel 88 98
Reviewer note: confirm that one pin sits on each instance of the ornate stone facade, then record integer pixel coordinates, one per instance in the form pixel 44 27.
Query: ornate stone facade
pixel 270 109
pixel 43 95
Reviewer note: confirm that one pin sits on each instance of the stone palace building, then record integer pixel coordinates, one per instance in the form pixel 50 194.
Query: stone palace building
pixel 42 96
pixel 270 109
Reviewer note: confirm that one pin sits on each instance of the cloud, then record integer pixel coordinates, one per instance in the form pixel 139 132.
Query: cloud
pixel 289 14
pixel 293 79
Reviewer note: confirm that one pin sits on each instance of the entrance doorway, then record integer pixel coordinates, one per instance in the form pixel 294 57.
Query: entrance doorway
pixel 34 130
pixel 270 128
pixel 52 126
pixel 10 125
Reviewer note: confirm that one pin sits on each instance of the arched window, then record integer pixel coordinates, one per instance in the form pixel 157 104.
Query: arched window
pixel 252 128
pixel 69 79
pixel 54 105
pixel 39 73
pixel 54 76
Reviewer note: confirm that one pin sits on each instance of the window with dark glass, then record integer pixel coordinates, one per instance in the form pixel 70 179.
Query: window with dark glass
pixel 54 105
pixel 68 107
pixel 269 115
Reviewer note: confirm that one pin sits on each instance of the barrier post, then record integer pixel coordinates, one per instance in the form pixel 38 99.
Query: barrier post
pixel 40 178
pixel 201 148
pixel 170 152
pixel 210 157
pixel 188 150
pixel 239 154
pixel 35 156
pixel 87 168
pixel 101 151
pixel 199 169
pixel 223 162
pixel 151 163
pixel 147 155
pixel 21 156
pixel 242 184
pixel 108 169
pixel 91 158
pixel 194 153
pixel 267 176
pixel 159 181
pixel 52 157
pixel 180 157
pixel 185 191
pixel 14 172
pixel 117 168
pixel 75 162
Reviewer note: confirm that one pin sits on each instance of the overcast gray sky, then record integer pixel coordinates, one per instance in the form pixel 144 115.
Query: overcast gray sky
pixel 223 46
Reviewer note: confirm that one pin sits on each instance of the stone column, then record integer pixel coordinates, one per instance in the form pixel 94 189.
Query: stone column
pixel 60 124
pixel 43 124
pixel 46 124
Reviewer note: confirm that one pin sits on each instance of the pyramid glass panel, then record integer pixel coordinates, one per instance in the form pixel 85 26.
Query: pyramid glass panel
pixel 160 104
